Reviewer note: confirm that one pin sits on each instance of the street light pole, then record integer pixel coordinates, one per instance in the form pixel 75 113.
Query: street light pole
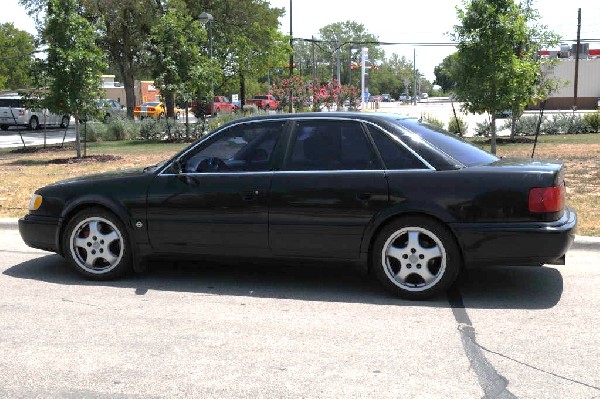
pixel 208 18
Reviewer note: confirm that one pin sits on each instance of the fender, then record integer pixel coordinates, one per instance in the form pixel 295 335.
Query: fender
pixel 112 205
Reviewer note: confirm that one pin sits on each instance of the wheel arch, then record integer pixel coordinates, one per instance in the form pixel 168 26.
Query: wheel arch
pixel 380 223
pixel 95 202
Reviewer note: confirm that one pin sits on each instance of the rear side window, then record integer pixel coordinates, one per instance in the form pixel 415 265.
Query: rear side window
pixel 465 153
pixel 331 145
pixel 394 155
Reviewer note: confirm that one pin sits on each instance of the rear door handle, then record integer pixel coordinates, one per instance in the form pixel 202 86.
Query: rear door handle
pixel 363 196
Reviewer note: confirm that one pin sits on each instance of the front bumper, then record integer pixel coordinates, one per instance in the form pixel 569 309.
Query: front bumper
pixel 522 244
pixel 41 232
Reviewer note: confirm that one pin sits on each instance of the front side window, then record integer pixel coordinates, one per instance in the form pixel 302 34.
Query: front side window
pixel 239 148
pixel 331 145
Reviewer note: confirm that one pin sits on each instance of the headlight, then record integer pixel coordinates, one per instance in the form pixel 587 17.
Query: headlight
pixel 35 202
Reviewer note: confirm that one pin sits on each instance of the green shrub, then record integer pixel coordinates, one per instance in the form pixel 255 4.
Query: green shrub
pixel 566 124
pixel 524 125
pixel 122 129
pixel 152 129
pixel 250 109
pixel 483 129
pixel 457 126
pixel 432 120
pixel 93 131
pixel 593 121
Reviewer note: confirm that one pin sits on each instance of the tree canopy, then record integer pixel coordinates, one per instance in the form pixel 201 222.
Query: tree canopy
pixel 496 64
pixel 16 57
pixel 74 63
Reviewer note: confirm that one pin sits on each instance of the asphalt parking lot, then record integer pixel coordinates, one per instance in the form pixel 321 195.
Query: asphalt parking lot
pixel 286 331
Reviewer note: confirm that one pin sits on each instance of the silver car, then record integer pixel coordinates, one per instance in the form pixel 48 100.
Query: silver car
pixel 15 111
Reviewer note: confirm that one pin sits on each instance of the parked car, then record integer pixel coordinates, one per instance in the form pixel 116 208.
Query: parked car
pixel 154 109
pixel 110 108
pixel 404 97
pixel 390 194
pixel 264 101
pixel 15 111
pixel 386 98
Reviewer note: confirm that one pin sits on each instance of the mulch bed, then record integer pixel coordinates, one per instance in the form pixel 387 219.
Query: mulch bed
pixel 89 158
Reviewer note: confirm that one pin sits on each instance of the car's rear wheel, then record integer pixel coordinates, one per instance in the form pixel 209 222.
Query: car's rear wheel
pixel 95 243
pixel 106 119
pixel 416 257
pixel 4 127
pixel 64 123
pixel 33 123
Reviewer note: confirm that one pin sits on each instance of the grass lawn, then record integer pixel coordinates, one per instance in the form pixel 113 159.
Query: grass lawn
pixel 22 173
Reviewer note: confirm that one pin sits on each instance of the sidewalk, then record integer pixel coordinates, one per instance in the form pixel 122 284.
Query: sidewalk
pixel 584 243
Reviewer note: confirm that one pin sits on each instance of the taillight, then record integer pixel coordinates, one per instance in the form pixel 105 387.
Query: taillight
pixel 21 112
pixel 547 199
pixel 151 109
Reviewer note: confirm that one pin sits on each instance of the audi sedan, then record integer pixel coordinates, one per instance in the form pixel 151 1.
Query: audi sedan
pixel 392 195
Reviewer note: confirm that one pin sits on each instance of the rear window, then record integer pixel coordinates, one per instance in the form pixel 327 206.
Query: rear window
pixel 465 153
pixel 12 103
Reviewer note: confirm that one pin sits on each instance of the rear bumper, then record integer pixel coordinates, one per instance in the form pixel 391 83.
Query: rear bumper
pixel 40 232
pixel 522 244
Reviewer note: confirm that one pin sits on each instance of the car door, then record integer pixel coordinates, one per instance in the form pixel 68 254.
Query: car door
pixel 331 185
pixel 214 199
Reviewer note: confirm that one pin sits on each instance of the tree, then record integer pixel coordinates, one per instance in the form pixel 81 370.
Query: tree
pixel 124 26
pixel 177 63
pixel 74 63
pixel 496 66
pixel 343 40
pixel 444 73
pixel 16 57
pixel 246 39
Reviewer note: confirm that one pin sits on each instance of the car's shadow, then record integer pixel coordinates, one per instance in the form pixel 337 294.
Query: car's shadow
pixel 501 288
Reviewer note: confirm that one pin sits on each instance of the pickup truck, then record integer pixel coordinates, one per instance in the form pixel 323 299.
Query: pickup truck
pixel 220 104
pixel 264 101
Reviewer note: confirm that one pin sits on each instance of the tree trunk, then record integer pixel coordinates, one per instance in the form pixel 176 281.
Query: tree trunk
pixel 170 104
pixel 493 139
pixel 513 126
pixel 77 137
pixel 242 90
pixel 129 85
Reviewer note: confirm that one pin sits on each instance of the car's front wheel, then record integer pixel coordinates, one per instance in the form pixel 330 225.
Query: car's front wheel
pixel 95 243
pixel 416 258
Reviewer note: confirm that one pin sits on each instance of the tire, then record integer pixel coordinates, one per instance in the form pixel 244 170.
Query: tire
pixel 95 243
pixel 416 258
pixel 65 121
pixel 33 124
pixel 4 127
pixel 161 116
pixel 106 119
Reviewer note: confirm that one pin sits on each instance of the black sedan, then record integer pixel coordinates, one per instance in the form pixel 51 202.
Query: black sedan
pixel 393 195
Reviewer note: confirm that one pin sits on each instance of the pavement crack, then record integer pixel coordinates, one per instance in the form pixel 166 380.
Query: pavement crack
pixel 494 385
pixel 536 368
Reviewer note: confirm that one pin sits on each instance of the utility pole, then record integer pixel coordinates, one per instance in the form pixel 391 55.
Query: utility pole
pixel 314 59
pixel 415 74
pixel 364 56
pixel 575 83
pixel 291 109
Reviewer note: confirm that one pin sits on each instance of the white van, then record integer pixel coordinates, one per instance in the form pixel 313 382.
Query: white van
pixel 13 112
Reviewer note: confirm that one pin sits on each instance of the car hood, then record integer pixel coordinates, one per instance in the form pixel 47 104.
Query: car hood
pixel 113 175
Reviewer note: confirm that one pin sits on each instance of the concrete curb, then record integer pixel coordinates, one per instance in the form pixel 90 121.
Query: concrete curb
pixel 584 243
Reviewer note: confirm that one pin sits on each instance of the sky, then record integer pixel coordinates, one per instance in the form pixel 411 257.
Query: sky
pixel 404 21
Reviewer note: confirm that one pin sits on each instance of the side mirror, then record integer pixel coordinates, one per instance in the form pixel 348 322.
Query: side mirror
pixel 177 166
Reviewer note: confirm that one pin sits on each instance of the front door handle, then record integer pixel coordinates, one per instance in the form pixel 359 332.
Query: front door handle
pixel 250 195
